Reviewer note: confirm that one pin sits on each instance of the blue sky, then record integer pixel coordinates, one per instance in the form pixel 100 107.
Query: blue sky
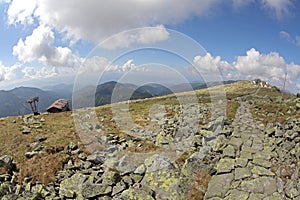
pixel 50 42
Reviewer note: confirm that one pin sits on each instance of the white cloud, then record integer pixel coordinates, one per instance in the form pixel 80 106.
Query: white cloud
pixel 38 46
pixel 294 40
pixel 285 35
pixel 93 20
pixel 147 35
pixel 10 73
pixel 94 64
pixel 280 7
pixel 5 1
pixel 209 64
pixel 33 73
pixel 20 72
pixel 269 67
pixel 21 11
pixel 254 64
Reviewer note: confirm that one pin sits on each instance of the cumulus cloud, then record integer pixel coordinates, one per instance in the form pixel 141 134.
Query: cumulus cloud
pixel 21 11
pixel 10 73
pixel 254 64
pixel 21 72
pixel 210 64
pixel 95 20
pixel 38 46
pixel 269 67
pixel 33 73
pixel 294 40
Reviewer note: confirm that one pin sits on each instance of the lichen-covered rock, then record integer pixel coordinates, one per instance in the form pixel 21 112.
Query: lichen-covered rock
pixel 164 178
pixel 71 187
pixel 229 151
pixel 6 164
pixel 219 185
pixel 137 194
pixel 262 185
pixel 226 165
pixel 262 171
pixel 94 190
pixel 196 164
pixel 111 177
pixel 237 195
pixel 241 173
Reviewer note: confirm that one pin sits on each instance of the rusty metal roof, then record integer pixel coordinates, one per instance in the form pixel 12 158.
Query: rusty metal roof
pixel 59 104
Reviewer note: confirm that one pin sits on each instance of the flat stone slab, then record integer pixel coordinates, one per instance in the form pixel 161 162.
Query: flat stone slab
pixel 241 173
pixel 262 171
pixel 237 195
pixel 262 162
pixel 219 185
pixel 261 185
pixel 237 142
pixel 225 165
pixel 229 151
pixel 241 162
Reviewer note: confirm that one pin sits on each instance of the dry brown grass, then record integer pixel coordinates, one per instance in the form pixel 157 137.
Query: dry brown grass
pixel 199 187
pixel 42 168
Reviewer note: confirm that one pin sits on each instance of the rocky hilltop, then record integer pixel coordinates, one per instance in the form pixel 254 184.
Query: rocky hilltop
pixel 243 146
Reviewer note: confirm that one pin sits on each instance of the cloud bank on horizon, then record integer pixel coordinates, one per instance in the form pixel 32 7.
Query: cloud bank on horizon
pixel 59 28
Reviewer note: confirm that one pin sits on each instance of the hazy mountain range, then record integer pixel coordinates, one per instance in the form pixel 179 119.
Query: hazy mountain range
pixel 13 102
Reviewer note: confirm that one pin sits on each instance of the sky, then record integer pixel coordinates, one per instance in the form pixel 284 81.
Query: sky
pixel 49 42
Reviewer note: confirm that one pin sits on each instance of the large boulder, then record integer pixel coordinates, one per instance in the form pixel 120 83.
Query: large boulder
pixel 7 165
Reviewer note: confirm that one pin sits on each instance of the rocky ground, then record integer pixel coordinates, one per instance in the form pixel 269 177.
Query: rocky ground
pixel 218 159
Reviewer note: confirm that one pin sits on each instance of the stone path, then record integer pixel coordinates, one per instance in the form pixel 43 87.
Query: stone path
pixel 245 170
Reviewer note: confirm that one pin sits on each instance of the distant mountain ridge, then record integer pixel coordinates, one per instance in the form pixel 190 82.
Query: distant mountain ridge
pixel 12 102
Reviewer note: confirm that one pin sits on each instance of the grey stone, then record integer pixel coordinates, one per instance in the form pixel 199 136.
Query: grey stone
pixel 219 185
pixel 137 194
pixel 94 190
pixel 262 162
pixel 82 156
pixel 119 187
pixel 229 151
pixel 262 171
pixel 31 154
pixel 241 173
pixel 26 130
pixel 72 186
pixel 157 162
pixel 237 195
pixel 96 158
pixel 140 169
pixel 262 185
pixel 40 138
pixel 225 165
pixel 136 178
pixel 246 155
pixel 241 162
pixel 111 177
pixel 72 146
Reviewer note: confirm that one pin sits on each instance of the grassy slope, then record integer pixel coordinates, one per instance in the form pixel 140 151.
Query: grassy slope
pixel 59 128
